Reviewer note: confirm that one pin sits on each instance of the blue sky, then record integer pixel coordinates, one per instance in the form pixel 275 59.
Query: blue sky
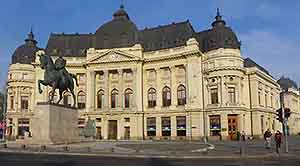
pixel 269 29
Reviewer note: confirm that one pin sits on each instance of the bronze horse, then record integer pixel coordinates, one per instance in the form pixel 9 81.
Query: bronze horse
pixel 56 79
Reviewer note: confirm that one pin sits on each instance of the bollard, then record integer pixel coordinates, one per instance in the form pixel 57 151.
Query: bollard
pixel 5 146
pixel 89 149
pixel 137 151
pixel 23 146
pixel 43 148
pixel 66 148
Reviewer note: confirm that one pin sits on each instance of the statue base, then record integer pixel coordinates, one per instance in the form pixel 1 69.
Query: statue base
pixel 55 124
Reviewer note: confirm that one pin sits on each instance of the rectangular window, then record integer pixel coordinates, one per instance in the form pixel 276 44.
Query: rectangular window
pixel 271 100
pixel 24 102
pixel 11 102
pixel 231 95
pixel 81 121
pixel 23 126
pixel 166 126
pixel 24 76
pixel 81 101
pixel 127 119
pixel 181 125
pixel 151 126
pixel 266 100
pixel 259 97
pixel 98 119
pixel 214 96
pixel 215 125
pixel 81 77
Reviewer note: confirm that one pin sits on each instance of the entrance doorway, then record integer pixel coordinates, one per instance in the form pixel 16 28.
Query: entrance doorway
pixel 232 127
pixel 98 133
pixel 127 133
pixel 112 129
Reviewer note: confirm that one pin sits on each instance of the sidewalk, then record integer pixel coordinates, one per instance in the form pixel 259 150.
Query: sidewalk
pixel 155 149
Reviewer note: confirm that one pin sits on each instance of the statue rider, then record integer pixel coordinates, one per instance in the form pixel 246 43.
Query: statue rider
pixel 60 65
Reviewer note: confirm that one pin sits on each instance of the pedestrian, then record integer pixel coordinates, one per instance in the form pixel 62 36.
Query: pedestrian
pixel 278 136
pixel 243 135
pixel 267 137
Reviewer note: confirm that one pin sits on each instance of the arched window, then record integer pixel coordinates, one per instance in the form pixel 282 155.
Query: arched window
pixel 151 98
pixel 54 96
pixel 114 98
pixel 67 99
pixel 166 95
pixel 128 97
pixel 81 100
pixel 100 99
pixel 181 95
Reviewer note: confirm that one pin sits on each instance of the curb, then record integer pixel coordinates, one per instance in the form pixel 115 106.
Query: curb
pixel 141 155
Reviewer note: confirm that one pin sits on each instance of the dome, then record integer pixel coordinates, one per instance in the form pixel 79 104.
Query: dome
pixel 286 83
pixel 220 36
pixel 117 33
pixel 25 54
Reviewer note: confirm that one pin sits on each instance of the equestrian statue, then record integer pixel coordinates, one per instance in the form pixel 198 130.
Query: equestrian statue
pixel 56 76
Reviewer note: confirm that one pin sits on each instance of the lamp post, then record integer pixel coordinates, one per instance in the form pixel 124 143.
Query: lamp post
pixel 4 107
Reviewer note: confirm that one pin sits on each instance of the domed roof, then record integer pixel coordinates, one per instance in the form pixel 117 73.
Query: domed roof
pixel 220 36
pixel 119 32
pixel 25 54
pixel 287 83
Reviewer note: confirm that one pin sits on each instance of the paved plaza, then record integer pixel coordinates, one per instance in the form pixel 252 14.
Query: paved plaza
pixel 223 149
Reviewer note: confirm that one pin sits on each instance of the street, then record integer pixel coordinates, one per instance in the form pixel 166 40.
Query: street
pixel 61 160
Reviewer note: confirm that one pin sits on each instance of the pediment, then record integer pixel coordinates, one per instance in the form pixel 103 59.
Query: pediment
pixel 112 56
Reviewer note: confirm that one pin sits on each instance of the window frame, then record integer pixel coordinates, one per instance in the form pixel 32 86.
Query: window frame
pixel 81 96
pixel 100 98
pixel 181 95
pixel 152 97
pixel 166 96
pixel 128 94
pixel 114 98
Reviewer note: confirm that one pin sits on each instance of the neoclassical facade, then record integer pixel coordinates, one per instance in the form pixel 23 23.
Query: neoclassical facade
pixel 167 82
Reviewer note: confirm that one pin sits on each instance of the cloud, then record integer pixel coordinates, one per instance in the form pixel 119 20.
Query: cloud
pixel 276 53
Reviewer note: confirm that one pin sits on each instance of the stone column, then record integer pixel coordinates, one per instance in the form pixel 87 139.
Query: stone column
pixel 238 92
pixel 173 88
pixel 18 100
pixel 106 89
pixel 90 91
pixel 139 87
pixel 173 127
pixel 187 86
pixel 158 89
pixel 120 98
pixel 158 127
pixel 222 91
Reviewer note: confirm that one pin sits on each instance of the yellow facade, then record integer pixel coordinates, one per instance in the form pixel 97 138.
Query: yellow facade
pixel 252 103
pixel 188 90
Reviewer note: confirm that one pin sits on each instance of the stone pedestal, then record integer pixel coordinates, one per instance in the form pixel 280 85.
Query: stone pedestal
pixel 55 124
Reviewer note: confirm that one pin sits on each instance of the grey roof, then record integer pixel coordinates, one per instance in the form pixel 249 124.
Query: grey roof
pixel 69 44
pixel 122 32
pixel 286 83
pixel 219 36
pixel 167 36
pixel 250 63
pixel 25 53
pixel 119 32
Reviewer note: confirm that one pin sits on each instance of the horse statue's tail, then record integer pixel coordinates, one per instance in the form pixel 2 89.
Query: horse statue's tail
pixel 75 78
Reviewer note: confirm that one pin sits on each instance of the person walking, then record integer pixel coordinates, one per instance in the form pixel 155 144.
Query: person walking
pixel 267 137
pixel 278 137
